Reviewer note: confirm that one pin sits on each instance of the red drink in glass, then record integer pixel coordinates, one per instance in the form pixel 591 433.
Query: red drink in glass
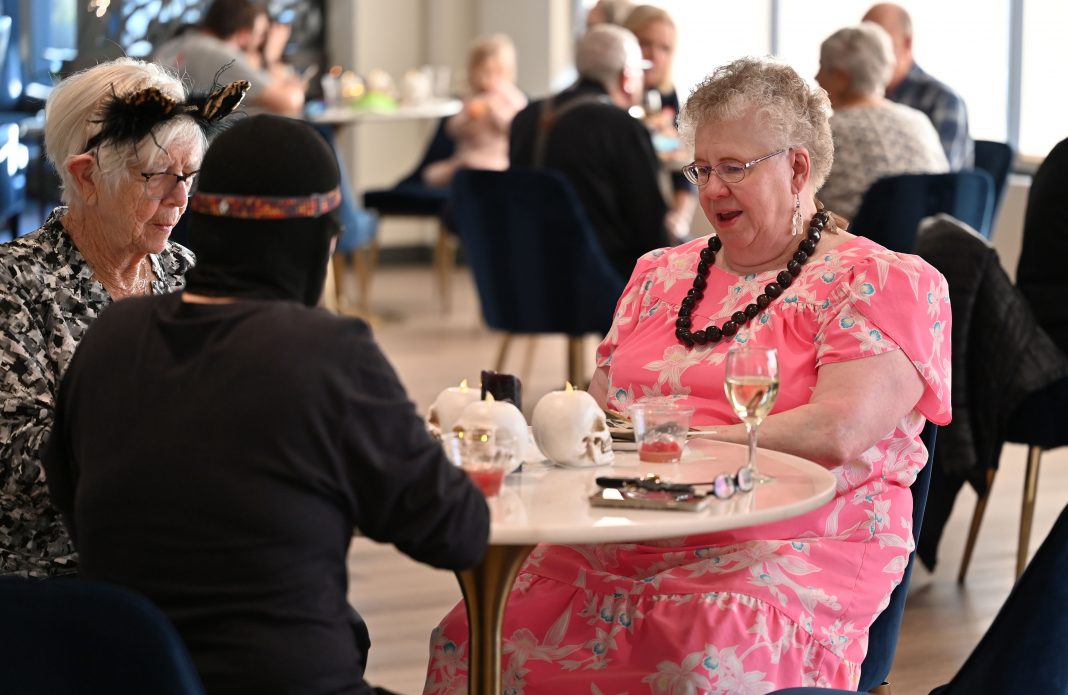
pixel 487 478
pixel 660 451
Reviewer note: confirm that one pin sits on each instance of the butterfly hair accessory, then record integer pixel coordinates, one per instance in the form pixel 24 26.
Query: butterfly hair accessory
pixel 132 117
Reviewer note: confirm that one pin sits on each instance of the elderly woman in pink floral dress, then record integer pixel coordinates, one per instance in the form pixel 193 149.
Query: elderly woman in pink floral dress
pixel 863 341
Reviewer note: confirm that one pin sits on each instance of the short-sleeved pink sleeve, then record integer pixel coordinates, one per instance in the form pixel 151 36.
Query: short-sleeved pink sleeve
pixel 893 301
pixel 629 307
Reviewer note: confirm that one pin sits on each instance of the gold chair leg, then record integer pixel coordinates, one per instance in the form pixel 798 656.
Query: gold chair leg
pixel 365 262
pixel 502 352
pixel 528 358
pixel 1027 509
pixel 973 531
pixel 576 362
pixel 883 689
pixel 444 262
pixel 333 298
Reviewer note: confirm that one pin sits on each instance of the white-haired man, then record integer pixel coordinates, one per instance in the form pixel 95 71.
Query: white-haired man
pixel 587 133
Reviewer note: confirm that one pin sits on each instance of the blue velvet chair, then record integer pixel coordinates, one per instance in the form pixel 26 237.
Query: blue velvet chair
pixel 70 637
pixel 995 158
pixel 891 210
pixel 411 197
pixel 1023 649
pixel 882 637
pixel 535 257
pixel 1039 423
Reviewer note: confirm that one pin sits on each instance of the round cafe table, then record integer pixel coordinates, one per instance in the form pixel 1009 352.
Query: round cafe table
pixel 550 504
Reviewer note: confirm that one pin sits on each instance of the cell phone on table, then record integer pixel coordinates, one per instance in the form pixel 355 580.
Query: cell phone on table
pixel 630 498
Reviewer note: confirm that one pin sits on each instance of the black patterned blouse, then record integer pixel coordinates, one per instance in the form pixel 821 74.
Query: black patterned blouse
pixel 48 297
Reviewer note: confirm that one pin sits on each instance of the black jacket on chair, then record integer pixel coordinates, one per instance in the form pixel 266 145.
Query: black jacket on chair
pixel 1000 356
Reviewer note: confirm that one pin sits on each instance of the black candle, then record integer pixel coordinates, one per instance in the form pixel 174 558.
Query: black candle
pixel 504 387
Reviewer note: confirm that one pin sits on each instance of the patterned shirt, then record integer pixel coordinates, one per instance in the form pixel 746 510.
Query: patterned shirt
pixel 871 142
pixel 946 110
pixel 48 297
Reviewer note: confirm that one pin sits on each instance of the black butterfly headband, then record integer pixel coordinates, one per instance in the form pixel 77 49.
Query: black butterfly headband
pixel 132 117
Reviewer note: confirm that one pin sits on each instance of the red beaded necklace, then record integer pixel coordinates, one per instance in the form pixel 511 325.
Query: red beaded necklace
pixel 713 333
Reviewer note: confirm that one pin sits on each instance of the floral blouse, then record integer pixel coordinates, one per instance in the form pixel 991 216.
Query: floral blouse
pixel 48 297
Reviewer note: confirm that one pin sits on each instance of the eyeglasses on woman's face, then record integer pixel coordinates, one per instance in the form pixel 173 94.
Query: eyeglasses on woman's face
pixel 728 170
pixel 159 185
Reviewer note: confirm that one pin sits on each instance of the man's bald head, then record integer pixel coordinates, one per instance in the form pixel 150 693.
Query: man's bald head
pixel 896 21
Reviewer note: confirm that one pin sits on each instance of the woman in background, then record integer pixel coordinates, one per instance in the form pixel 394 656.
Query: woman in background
pixel 480 130
pixel 656 35
pixel 873 136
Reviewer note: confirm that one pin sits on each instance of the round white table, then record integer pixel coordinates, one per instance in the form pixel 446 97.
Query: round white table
pixel 549 504
pixel 429 109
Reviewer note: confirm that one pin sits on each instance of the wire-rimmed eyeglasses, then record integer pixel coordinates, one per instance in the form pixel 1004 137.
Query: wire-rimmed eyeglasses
pixel 728 170
pixel 160 184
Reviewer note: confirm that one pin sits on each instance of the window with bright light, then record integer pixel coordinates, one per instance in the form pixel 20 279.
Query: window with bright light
pixel 1044 99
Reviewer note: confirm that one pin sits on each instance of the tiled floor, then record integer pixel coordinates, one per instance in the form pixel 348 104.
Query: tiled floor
pixel 402 600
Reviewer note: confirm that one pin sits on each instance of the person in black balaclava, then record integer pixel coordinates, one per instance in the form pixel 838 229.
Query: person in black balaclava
pixel 224 443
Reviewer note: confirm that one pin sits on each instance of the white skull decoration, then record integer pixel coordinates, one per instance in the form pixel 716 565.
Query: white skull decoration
pixel 570 429
pixel 496 416
pixel 446 408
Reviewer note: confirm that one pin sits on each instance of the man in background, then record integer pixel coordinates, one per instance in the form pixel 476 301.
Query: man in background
pixel 587 134
pixel 911 86
pixel 238 33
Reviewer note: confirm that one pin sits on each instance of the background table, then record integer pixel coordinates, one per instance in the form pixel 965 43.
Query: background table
pixel 549 504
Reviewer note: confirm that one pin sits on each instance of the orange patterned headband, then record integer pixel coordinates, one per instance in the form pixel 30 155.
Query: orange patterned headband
pixel 260 207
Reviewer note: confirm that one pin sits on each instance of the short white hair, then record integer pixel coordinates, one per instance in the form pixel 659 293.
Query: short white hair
pixel 74 109
pixel 788 111
pixel 864 53
pixel 604 51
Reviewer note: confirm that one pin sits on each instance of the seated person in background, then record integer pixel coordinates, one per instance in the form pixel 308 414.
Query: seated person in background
pixel 911 86
pixel 223 470
pixel 655 31
pixel 229 33
pixel 609 12
pixel 1039 274
pixel 481 129
pixel 863 341
pixel 587 134
pixel 873 137
pixel 126 171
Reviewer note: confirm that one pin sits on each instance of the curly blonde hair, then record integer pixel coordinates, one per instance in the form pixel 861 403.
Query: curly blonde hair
pixel 783 104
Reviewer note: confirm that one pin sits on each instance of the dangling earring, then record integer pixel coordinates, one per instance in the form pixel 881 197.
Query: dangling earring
pixel 797 215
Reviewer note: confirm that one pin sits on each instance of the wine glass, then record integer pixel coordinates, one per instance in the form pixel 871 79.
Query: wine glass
pixel 752 384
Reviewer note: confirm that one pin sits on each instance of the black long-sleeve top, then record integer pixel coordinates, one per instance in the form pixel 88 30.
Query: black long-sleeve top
pixel 217 458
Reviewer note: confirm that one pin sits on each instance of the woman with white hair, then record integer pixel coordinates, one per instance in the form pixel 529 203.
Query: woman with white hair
pixel 127 142
pixel 873 136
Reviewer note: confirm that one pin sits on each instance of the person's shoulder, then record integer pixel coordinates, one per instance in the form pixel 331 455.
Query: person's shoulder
pixel 863 259
pixel 177 260
pixel 31 257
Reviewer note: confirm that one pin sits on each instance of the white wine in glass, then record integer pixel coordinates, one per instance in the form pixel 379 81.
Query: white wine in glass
pixel 752 384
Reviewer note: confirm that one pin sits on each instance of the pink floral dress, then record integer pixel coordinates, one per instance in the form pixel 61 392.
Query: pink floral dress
pixel 759 608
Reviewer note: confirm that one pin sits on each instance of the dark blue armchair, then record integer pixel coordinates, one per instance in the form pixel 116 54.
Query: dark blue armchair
pixel 536 260
pixel 69 637
pixel 891 210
